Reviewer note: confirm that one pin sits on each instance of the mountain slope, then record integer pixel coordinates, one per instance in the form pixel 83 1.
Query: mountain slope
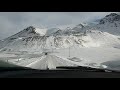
pixel 23 38
pixel 52 31
pixel 110 23
pixel 92 38
pixel 83 35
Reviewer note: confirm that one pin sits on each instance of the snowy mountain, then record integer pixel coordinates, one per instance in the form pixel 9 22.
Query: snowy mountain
pixel 30 31
pixel 91 38
pixel 78 27
pixel 75 30
pixel 84 35
pixel 110 23
pixel 26 33
pixel 25 37
pixel 111 18
pixel 51 31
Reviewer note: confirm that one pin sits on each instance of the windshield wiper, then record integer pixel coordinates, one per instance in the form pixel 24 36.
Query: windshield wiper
pixel 85 68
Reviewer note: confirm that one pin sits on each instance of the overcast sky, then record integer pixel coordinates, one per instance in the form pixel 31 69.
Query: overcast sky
pixel 13 22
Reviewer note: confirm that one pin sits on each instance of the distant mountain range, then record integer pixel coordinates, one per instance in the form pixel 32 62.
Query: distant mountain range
pixel 104 33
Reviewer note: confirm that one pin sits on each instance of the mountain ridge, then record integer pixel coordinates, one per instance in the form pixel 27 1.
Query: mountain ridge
pixel 32 38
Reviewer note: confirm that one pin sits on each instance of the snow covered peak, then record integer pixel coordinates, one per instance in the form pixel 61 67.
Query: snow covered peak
pixel 34 30
pixel 112 14
pixel 30 28
pixel 52 31
pixel 68 28
pixel 110 23
pixel 79 26
pixel 111 18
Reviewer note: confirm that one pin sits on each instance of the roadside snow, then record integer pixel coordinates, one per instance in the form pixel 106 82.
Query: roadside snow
pixel 90 55
pixel 51 62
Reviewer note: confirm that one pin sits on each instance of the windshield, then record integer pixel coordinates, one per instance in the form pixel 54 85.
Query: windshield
pixel 49 40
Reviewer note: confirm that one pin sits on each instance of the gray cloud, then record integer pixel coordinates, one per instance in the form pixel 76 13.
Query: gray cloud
pixel 13 22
